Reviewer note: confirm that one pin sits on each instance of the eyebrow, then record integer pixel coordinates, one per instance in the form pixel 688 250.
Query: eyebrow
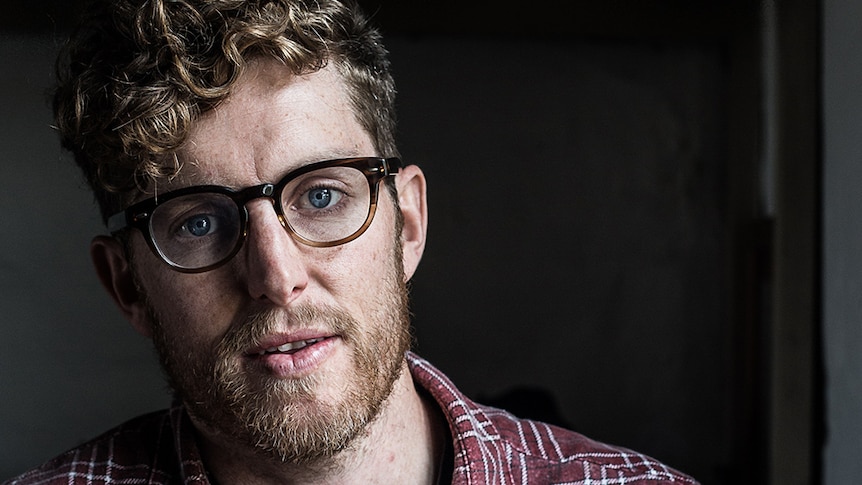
pixel 210 179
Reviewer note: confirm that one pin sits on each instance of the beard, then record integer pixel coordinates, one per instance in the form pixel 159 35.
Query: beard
pixel 286 419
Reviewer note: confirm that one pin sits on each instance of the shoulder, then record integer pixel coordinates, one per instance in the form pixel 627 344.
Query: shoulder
pixel 494 446
pixel 552 454
pixel 137 451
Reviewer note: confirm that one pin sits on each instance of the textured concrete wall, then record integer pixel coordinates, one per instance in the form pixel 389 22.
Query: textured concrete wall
pixel 842 237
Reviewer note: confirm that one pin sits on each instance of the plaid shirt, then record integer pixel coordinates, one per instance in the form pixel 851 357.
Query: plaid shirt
pixel 490 446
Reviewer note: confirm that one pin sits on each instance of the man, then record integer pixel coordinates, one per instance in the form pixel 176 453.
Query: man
pixel 263 230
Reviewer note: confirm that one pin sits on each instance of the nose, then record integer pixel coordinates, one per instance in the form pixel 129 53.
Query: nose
pixel 275 264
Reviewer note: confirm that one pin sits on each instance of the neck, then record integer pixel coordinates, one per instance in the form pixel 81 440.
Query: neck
pixel 404 444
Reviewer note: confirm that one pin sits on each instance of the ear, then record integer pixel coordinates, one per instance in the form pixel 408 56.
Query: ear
pixel 410 182
pixel 115 273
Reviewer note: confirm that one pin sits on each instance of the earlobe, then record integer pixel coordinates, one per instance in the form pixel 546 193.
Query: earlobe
pixel 115 273
pixel 412 201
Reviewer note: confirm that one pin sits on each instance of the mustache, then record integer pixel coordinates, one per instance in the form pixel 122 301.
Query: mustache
pixel 260 324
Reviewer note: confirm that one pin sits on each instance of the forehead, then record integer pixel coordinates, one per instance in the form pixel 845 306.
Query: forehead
pixel 272 122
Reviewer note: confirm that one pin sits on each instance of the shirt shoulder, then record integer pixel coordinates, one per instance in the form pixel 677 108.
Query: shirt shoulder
pixel 552 454
pixel 492 446
pixel 138 451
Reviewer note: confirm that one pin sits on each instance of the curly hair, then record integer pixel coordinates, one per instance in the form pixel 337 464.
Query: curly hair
pixel 136 74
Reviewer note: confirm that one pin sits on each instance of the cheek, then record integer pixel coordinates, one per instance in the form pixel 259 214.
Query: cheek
pixel 340 269
pixel 358 271
pixel 192 308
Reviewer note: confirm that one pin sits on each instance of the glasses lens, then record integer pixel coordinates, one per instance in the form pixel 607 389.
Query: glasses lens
pixel 328 204
pixel 196 230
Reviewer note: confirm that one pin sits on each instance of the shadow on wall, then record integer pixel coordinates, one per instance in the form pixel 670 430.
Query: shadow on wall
pixel 528 402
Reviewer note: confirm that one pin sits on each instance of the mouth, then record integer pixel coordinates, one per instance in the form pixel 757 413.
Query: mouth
pixel 293 357
pixel 290 347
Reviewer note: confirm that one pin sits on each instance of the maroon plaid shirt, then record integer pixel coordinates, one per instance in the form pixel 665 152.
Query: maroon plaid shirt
pixel 490 446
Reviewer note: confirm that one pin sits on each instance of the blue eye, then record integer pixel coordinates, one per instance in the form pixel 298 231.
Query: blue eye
pixel 320 198
pixel 198 226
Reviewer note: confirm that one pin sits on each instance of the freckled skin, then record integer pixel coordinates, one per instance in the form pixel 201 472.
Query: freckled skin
pixel 271 124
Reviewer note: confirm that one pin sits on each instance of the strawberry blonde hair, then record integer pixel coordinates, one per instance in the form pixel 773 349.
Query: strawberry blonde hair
pixel 136 74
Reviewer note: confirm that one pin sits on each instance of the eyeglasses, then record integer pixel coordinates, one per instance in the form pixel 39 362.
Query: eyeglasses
pixel 197 229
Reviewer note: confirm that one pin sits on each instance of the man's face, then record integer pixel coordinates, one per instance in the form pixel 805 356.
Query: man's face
pixel 288 348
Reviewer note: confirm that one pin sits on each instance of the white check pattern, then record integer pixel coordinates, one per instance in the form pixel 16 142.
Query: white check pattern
pixel 493 447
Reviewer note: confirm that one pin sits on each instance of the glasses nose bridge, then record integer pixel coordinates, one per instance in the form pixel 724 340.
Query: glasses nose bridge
pixel 262 191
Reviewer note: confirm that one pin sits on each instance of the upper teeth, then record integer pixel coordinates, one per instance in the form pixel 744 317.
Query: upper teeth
pixel 291 346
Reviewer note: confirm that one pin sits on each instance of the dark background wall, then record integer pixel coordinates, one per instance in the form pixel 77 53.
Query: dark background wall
pixel 600 233
pixel 577 230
